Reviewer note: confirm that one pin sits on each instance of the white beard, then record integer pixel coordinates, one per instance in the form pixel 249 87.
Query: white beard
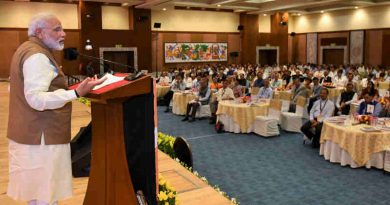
pixel 52 44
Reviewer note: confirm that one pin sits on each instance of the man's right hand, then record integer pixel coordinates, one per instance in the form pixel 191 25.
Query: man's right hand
pixel 88 84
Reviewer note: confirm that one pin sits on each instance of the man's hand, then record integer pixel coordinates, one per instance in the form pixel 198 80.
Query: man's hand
pixel 314 123
pixel 88 84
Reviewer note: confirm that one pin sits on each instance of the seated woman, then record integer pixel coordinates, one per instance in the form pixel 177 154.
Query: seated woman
pixel 369 89
pixel 215 85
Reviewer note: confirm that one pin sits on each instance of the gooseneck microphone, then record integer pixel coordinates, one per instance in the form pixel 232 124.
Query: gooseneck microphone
pixel 72 54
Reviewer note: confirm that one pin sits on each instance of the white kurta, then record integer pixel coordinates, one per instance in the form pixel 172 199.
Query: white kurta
pixel 40 172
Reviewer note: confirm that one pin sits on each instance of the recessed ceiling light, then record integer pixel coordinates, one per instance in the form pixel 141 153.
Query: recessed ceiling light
pixel 356 7
pixel 125 4
pixel 164 9
pixel 264 14
pixel 299 14
pixel 219 5
pixel 322 12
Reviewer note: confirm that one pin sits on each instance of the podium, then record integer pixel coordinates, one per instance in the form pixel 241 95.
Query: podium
pixel 123 144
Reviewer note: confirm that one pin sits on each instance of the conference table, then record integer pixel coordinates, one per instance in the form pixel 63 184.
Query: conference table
pixel 162 90
pixel 350 145
pixel 240 117
pixel 180 101
pixel 334 93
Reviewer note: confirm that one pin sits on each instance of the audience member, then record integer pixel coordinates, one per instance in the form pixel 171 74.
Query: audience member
pixel 322 109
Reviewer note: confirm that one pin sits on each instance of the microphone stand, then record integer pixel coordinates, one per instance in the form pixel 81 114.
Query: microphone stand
pixel 131 77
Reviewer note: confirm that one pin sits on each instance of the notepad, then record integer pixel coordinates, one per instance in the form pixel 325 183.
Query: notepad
pixel 110 79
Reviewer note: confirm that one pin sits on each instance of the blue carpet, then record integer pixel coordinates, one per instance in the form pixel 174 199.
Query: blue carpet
pixel 274 171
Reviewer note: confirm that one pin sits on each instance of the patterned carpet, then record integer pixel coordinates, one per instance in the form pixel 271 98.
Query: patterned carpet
pixel 274 171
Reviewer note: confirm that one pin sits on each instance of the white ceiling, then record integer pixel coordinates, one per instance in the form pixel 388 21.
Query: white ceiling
pixel 254 6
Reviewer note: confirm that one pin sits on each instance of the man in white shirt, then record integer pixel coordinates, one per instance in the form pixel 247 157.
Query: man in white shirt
pixel 39 150
pixel 322 109
pixel 339 80
pixel 265 92
pixel 224 93
pixel 164 79
pixel 368 79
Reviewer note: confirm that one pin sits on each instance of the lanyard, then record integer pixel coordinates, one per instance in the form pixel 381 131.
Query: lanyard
pixel 322 107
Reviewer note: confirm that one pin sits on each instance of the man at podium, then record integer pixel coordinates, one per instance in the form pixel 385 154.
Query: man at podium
pixel 39 117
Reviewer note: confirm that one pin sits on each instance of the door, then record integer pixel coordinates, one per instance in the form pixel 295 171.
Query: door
pixel 333 56
pixel 123 57
pixel 267 57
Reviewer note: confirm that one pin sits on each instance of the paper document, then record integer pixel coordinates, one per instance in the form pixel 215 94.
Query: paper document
pixel 110 79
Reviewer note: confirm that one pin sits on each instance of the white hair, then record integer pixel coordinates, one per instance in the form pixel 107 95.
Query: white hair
pixel 38 21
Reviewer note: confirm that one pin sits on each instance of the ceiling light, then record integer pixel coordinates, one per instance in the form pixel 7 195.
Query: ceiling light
pixel 356 7
pixel 125 4
pixel 322 12
pixel 299 14
pixel 164 9
pixel 219 5
pixel 264 14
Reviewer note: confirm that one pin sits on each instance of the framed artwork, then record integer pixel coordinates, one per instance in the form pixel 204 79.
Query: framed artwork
pixel 195 52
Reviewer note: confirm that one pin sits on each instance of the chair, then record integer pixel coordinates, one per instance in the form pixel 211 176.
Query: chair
pixel 267 126
pixel 285 97
pixel 292 122
pixel 382 88
pixel 183 151
pixel 204 110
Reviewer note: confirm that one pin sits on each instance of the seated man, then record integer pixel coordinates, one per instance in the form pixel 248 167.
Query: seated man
pixel 298 90
pixel 265 92
pixel 316 90
pixel 164 79
pixel 225 93
pixel 203 98
pixel 345 99
pixel 177 85
pixel 322 109
pixel 369 106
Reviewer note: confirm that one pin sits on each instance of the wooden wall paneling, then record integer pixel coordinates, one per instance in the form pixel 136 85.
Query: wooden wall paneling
pixel 373 47
pixel 279 36
pixel 196 37
pixel 140 37
pixel 250 32
pixel 9 43
pixel 234 45
pixel 290 48
pixel 386 49
pixel 183 37
pixel 211 37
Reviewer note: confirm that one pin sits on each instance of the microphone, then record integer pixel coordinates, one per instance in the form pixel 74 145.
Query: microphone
pixel 72 54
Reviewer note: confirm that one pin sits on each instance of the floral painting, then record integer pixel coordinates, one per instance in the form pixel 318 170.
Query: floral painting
pixel 194 52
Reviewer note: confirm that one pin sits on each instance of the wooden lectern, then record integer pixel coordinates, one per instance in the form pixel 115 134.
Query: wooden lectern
pixel 123 144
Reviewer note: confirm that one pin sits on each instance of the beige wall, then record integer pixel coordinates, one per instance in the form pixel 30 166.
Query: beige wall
pixel 354 19
pixel 198 21
pixel 18 14
pixel 115 18
pixel 264 24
